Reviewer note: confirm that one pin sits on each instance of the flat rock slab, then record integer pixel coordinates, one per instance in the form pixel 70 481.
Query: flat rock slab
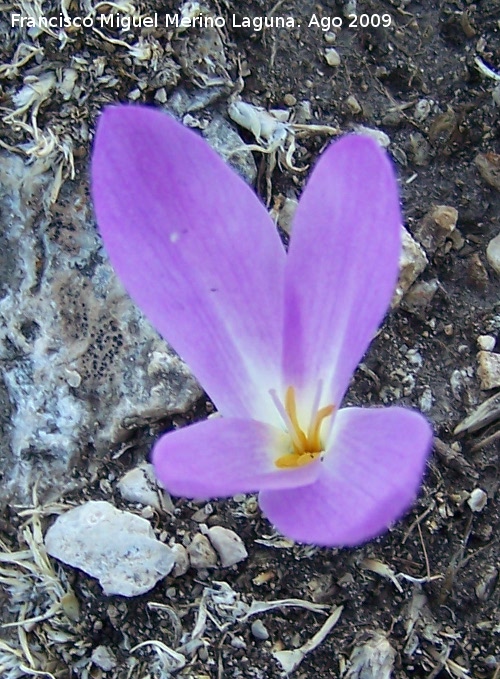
pixel 79 364
pixel 118 548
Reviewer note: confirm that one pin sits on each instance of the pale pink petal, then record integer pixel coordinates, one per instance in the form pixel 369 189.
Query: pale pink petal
pixel 196 250
pixel 224 456
pixel 370 476
pixel 342 265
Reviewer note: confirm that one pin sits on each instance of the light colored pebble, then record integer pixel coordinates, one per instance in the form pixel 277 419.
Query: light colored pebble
pixel 426 400
pixel 493 253
pixel 411 264
pixel 103 658
pixel 201 553
pixel 181 565
pixel 353 104
pixel 332 57
pixel 238 642
pixel 161 95
pixel 118 548
pixel 289 100
pixel 380 137
pixel 486 342
pixel 139 485
pixel 435 227
pixel 330 37
pixel 286 214
pixel 477 500
pixel 420 295
pixel 488 369
pixel 496 95
pixel 259 630
pixel 228 545
pixel 422 110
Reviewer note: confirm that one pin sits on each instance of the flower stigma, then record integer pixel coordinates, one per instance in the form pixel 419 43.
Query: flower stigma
pixel 306 445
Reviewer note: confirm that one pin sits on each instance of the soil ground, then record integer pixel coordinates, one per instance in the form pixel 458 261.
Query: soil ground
pixel 424 598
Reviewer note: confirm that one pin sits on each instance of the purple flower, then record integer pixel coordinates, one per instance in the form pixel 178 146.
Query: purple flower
pixel 273 337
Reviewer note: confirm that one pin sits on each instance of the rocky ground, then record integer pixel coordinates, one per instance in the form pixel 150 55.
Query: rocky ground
pixel 87 385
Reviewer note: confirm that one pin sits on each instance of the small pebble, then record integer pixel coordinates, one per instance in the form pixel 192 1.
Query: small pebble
pixel 496 95
pixel 238 642
pixel 477 500
pixel 332 57
pixel 422 110
pixel 103 658
pixel 488 369
pixel 493 254
pixel 289 100
pixel 353 104
pixel 486 342
pixel 139 485
pixel 181 564
pixel 259 630
pixel 228 545
pixel 201 553
pixel 330 37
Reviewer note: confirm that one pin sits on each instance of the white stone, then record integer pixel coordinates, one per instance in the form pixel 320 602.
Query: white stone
pixel 477 500
pixel 118 548
pixel 493 253
pixel 228 545
pixel 201 553
pixel 80 363
pixel 139 485
pixel 488 369
pixel 486 342
pixel 332 57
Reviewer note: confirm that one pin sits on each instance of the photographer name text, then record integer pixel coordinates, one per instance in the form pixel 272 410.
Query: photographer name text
pixel 126 22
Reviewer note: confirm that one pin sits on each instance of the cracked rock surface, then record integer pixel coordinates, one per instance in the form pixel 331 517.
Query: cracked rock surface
pixel 80 366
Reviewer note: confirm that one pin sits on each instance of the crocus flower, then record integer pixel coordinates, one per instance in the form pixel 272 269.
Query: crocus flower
pixel 273 337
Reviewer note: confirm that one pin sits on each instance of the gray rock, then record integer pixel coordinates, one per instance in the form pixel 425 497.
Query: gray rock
pixel 227 142
pixel 259 630
pixel 103 658
pixel 118 548
pixel 80 364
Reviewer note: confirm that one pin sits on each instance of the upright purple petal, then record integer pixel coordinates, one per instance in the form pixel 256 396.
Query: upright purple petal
pixel 342 264
pixel 370 476
pixel 195 249
pixel 224 456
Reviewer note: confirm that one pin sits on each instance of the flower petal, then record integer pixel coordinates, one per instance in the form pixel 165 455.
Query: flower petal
pixel 342 264
pixel 370 477
pixel 224 456
pixel 195 249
